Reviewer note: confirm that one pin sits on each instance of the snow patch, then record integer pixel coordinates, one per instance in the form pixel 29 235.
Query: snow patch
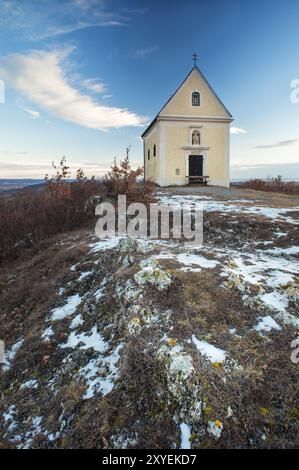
pixel 185 436
pixel 279 278
pixel 29 384
pixel 212 205
pixel 76 322
pixel 275 300
pixel 84 275
pixel 46 335
pixel 190 259
pixel 212 353
pixel 292 250
pixel 92 339
pixel 100 374
pixel 8 415
pixel 104 244
pixel 10 354
pixel 267 324
pixel 68 309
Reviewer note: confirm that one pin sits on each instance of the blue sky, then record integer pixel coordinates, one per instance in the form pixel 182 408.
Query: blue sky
pixel 83 77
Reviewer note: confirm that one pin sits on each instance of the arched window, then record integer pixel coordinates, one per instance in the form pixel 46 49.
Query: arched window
pixel 148 154
pixel 154 150
pixel 196 137
pixel 177 172
pixel 195 98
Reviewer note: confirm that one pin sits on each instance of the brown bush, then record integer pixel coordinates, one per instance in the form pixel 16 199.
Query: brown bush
pixel 61 206
pixel 30 216
pixel 122 179
pixel 275 185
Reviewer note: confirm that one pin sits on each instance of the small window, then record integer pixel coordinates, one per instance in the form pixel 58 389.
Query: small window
pixel 154 150
pixel 177 171
pixel 195 98
pixel 148 154
pixel 195 137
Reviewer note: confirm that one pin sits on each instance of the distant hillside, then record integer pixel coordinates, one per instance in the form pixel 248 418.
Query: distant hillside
pixel 13 185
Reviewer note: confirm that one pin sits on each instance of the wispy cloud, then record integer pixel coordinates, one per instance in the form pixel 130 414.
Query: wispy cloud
pixel 55 31
pixel 282 143
pixel 237 131
pixel 42 77
pixel 94 85
pixel 52 18
pixel 32 112
pixel 135 11
pixel 84 4
pixel 142 53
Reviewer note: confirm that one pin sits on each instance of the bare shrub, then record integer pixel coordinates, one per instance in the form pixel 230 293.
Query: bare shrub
pixel 122 179
pixel 63 205
pixel 275 185
pixel 30 216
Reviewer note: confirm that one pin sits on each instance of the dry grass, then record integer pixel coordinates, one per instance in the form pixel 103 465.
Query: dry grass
pixel 274 185
pixel 29 286
pixel 29 218
pixel 262 392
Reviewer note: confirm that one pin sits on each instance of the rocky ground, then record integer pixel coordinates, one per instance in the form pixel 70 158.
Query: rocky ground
pixel 147 344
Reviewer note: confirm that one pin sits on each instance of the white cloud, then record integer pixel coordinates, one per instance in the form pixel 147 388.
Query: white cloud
pixel 51 18
pixel 237 131
pixel 83 4
pixel 41 77
pixel 282 143
pixel 93 85
pixel 34 114
pixel 54 31
pixel 135 11
pixel 142 53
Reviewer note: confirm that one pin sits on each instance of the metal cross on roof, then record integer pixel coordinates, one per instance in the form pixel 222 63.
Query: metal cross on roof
pixel 194 57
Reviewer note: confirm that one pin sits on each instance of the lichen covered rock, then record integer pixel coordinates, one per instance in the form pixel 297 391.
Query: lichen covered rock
pixel 152 274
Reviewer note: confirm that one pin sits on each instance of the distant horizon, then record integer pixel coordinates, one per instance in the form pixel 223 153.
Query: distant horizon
pixel 237 172
pixel 232 179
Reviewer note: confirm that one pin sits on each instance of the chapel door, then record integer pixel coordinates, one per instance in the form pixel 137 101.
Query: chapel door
pixel 195 165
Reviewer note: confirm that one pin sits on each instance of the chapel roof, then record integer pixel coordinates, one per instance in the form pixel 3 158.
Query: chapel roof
pixel 194 68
